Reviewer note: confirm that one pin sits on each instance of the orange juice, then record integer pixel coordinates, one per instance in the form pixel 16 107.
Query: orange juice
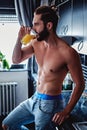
pixel 27 38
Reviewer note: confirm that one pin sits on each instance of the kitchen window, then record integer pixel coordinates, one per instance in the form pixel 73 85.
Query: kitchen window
pixel 9 27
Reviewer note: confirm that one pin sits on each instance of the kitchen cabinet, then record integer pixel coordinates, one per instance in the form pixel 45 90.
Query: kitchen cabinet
pixel 85 19
pixel 72 23
pixel 65 20
pixel 77 18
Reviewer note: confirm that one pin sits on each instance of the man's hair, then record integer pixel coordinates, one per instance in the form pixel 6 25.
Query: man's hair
pixel 48 14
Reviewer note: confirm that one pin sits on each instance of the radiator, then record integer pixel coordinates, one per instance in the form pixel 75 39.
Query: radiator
pixel 7 97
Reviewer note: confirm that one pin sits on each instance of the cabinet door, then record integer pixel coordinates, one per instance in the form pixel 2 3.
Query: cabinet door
pixel 77 18
pixel 64 24
pixel 85 19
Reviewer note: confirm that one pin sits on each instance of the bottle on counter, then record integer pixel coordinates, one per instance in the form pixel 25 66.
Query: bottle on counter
pixel 67 83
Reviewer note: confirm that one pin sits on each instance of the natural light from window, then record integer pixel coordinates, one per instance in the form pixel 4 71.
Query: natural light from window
pixel 8 36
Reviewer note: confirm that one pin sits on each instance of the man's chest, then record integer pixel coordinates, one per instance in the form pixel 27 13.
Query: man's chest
pixel 50 60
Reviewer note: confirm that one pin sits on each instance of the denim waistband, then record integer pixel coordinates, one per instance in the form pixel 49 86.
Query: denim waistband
pixel 47 97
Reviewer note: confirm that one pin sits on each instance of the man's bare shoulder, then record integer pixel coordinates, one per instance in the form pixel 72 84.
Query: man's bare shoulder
pixel 36 43
pixel 67 51
pixel 72 56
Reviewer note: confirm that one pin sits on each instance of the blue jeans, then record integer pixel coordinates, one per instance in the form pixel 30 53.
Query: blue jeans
pixel 40 109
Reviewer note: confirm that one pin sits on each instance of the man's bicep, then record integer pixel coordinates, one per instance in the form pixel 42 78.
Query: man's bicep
pixel 74 66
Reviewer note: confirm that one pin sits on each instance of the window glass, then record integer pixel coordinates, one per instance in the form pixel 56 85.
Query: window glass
pixel 9 27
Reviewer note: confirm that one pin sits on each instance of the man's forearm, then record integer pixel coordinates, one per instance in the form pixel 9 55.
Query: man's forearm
pixel 16 57
pixel 76 94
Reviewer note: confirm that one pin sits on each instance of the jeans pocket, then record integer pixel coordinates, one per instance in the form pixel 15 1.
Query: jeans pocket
pixel 59 106
pixel 46 106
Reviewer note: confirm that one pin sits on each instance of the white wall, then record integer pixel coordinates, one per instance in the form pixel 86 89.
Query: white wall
pixel 21 77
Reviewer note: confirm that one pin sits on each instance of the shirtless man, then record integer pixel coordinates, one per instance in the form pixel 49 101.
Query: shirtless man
pixel 55 58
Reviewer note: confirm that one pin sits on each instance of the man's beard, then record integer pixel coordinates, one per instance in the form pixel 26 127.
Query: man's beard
pixel 43 35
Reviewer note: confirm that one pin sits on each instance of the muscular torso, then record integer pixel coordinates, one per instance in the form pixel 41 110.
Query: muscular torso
pixel 52 68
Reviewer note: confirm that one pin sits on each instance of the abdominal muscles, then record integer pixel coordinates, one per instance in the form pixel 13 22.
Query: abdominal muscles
pixel 50 82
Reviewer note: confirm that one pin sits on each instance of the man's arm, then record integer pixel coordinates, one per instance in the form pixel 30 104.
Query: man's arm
pixel 74 66
pixel 19 53
pixel 75 69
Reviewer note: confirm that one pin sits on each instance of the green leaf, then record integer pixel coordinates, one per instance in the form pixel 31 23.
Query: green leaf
pixel 5 64
pixel 1 56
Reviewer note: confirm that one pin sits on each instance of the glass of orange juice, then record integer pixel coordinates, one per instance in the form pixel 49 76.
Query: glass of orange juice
pixel 28 37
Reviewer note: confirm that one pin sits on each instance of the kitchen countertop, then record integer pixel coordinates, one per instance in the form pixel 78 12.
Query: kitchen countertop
pixel 13 70
pixel 79 113
pixel 80 110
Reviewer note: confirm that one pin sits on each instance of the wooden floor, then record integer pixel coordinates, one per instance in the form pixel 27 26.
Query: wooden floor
pixel 31 126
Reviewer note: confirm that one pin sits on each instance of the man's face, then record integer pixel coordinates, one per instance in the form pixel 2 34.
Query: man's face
pixel 43 35
pixel 40 28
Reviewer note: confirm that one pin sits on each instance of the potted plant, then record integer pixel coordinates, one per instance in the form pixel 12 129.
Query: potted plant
pixel 3 61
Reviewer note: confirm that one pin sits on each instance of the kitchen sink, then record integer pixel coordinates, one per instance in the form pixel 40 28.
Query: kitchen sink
pixel 80 125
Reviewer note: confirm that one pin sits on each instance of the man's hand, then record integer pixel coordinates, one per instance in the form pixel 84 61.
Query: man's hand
pixel 23 31
pixel 59 117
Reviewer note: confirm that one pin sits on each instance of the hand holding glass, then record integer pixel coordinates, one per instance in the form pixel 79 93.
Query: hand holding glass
pixel 27 38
